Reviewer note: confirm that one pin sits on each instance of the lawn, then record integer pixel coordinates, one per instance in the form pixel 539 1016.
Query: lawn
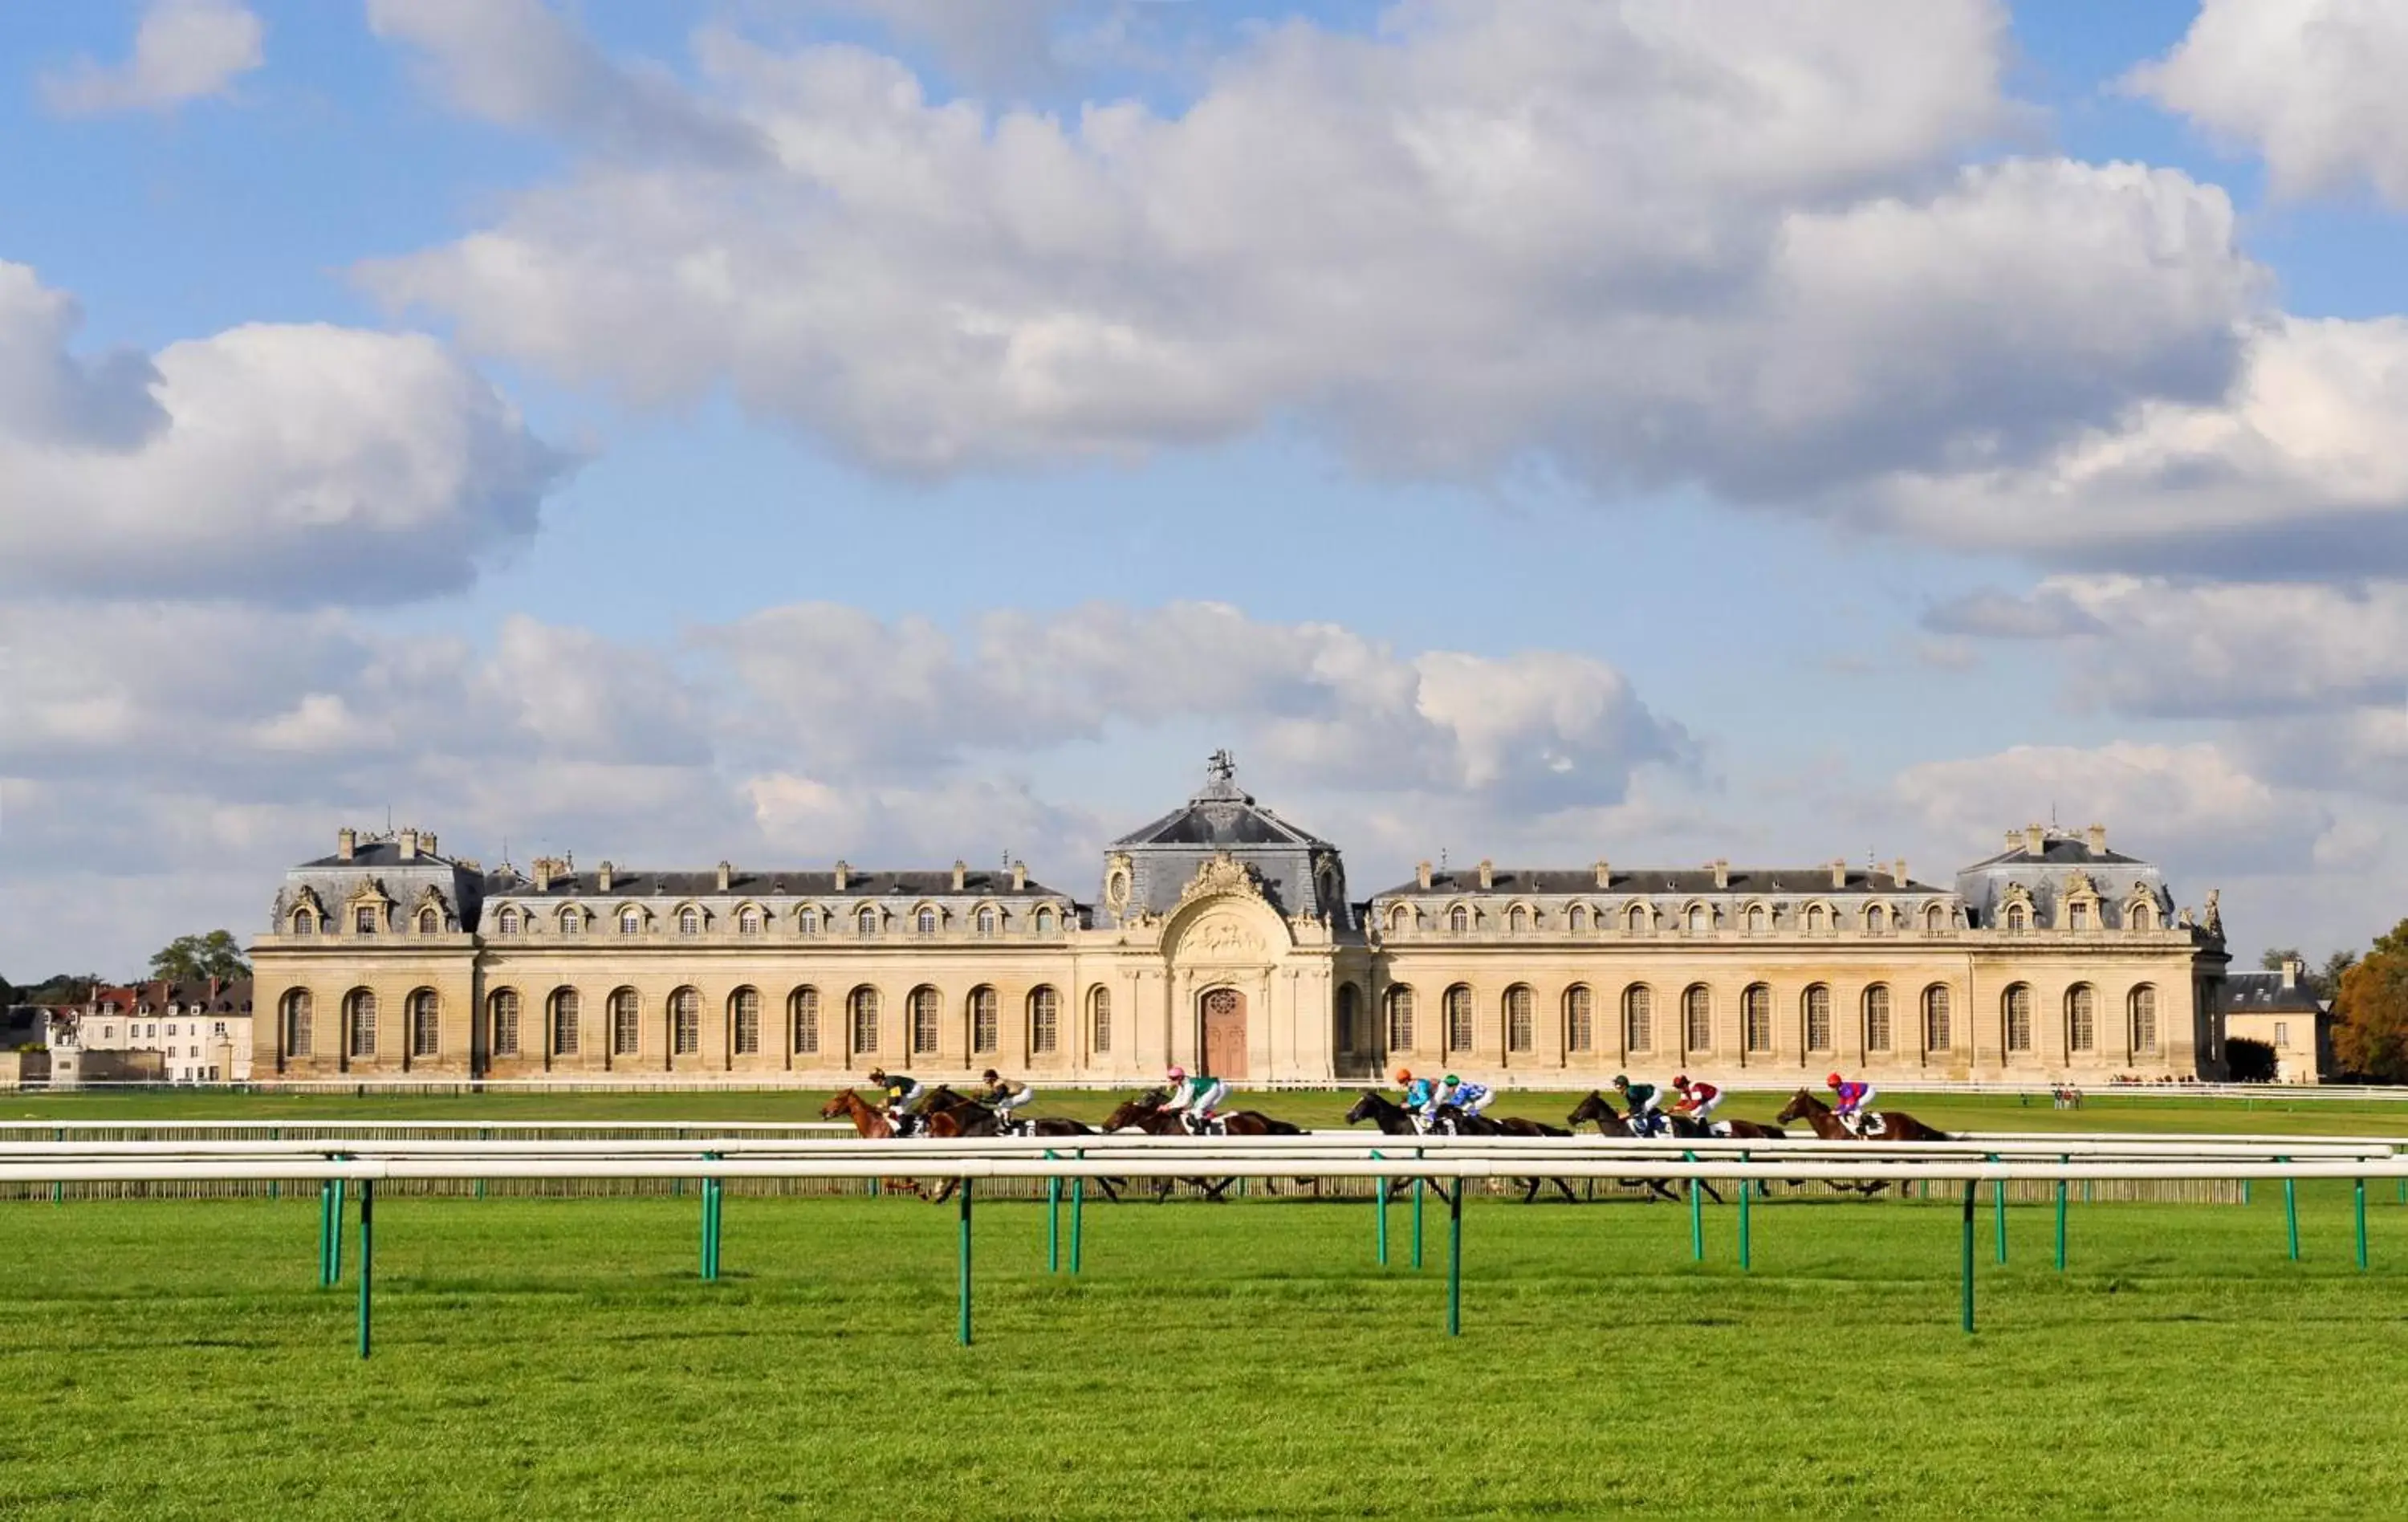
pixel 560 1357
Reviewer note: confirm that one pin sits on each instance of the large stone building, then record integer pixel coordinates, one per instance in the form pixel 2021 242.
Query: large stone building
pixel 1225 936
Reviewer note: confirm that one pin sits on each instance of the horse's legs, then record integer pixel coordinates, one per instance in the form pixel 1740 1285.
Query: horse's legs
pixel 1711 1194
pixel 1530 1189
pixel 1565 1185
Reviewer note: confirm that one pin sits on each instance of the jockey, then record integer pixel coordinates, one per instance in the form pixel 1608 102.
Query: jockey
pixel 1640 1099
pixel 1853 1099
pixel 1002 1096
pixel 1698 1100
pixel 1193 1098
pixel 1472 1098
pixel 904 1094
pixel 1418 1097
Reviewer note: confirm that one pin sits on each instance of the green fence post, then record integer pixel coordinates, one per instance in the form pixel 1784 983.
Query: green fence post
pixel 335 1244
pixel 1379 1205
pixel 1970 1186
pixel 1053 1221
pixel 1417 1215
pixel 367 1255
pixel 1454 1261
pixel 1697 1215
pixel 1078 1212
pixel 2245 1191
pixel 1746 1187
pixel 2061 1220
pixel 2362 1226
pixel 326 1229
pixel 964 1333
pixel 1999 1210
pixel 2291 1210
pixel 2403 1188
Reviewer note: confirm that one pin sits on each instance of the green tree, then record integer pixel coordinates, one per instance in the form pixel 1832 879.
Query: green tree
pixel 2370 1036
pixel 2248 1061
pixel 198 958
pixel 2324 982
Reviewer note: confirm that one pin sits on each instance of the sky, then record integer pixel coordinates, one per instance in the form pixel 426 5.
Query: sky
pixel 911 430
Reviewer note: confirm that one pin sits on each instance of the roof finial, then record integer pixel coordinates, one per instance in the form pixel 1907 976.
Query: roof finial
pixel 1220 765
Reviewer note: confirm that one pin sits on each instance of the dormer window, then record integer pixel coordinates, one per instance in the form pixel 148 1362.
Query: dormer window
pixel 429 921
pixel 2019 919
pixel 1399 920
pixel 1044 921
pixel 924 921
pixel 748 920
pixel 986 921
pixel 1458 919
pixel 363 920
pixel 689 921
pixel 507 922
pixel 304 922
pixel 1576 919
pixel 807 921
pixel 631 922
pixel 1759 919
pixel 867 921
pixel 1701 919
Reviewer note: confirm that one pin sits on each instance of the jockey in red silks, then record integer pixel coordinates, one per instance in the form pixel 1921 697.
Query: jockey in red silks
pixel 1698 1099
pixel 1852 1099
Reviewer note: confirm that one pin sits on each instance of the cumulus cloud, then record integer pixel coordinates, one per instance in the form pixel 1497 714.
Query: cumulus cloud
pixel 297 464
pixel 2312 86
pixel 183 50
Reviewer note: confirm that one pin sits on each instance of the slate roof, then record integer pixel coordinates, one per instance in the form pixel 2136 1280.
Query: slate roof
pixel 2059 851
pixel 636 883
pixel 1221 814
pixel 1693 881
pixel 2265 993
pixel 385 854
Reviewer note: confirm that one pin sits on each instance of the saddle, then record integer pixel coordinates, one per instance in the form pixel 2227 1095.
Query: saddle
pixel 1214 1127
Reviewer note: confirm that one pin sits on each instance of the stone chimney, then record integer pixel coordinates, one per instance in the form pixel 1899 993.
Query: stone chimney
pixel 2014 839
pixel 1604 873
pixel 726 875
pixel 410 845
pixel 843 875
pixel 1840 873
pixel 2096 836
pixel 602 878
pixel 1422 873
pixel 1019 875
pixel 2290 972
pixel 1898 871
pixel 427 843
pixel 961 874
pixel 347 844
pixel 543 874
pixel 1722 873
pixel 2035 840
pixel 1487 874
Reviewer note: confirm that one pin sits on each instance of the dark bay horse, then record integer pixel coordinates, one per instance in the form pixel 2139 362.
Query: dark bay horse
pixel 951 1115
pixel 1885 1126
pixel 1597 1108
pixel 1146 1112
pixel 870 1123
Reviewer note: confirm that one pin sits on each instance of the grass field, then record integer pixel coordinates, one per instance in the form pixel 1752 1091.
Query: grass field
pixel 561 1357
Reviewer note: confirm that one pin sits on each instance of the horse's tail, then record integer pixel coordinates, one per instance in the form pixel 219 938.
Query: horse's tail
pixel 1280 1127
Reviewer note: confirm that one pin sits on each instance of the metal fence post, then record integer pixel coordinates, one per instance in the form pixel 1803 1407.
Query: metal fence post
pixel 1379 1206
pixel 1455 1261
pixel 1053 1221
pixel 1417 1214
pixel 2360 1201
pixel 965 1332
pixel 326 1229
pixel 2061 1220
pixel 2291 1212
pixel 335 1243
pixel 367 1255
pixel 1970 1186
pixel 1078 1212
pixel 1746 1187
pixel 1999 1209
pixel 1697 1215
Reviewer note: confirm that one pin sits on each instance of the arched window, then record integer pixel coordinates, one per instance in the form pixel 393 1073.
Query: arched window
pixel 502 1014
pixel 924 921
pixel 748 920
pixel 506 922
pixel 1935 919
pixel 1817 1009
pixel 360 1022
pixel 866 920
pixel 1634 919
pixel 806 921
pixel 685 1023
pixel 631 922
pixel 1877 1018
pixel 1519 921
pixel 1698 1018
pixel 304 922
pixel 1759 919
pixel 2015 1014
pixel 1755 1017
pixel 2144 1007
pixel 1044 1021
pixel 744 1006
pixel 1457 1006
pixel 803 1015
pixel 1399 919
pixel 2081 1019
pixel 927 1013
pixel 1876 919
pixel 1936 1034
pixel 1818 919
pixel 1044 921
pixel 1099 1020
pixel 863 1007
pixel 425 1023
pixel 1701 919
pixel 1638 1018
pixel 986 920
pixel 572 921
pixel 2143 915
pixel 1576 919
pixel 1349 1018
pixel 296 1023
pixel 429 921
pixel 1458 919
pixel 1520 1035
pixel 563 1022
pixel 689 921
pixel 986 1027
pixel 625 1022
pixel 2019 919
pixel 1400 1019
pixel 1580 1019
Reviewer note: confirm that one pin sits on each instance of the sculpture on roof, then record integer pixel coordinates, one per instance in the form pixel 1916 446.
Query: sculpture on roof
pixel 2212 922
pixel 1220 765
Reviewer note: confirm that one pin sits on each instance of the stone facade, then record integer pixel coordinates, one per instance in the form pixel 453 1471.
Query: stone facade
pixel 1223 936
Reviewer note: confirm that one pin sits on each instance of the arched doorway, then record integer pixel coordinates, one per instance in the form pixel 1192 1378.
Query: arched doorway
pixel 1224 1033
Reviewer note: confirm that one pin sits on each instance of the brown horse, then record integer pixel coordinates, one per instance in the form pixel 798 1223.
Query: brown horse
pixel 870 1123
pixel 1598 1109
pixel 1879 1126
pixel 1147 1112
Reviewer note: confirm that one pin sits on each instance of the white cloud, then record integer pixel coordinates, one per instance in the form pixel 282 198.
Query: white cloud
pixel 183 50
pixel 299 464
pixel 2312 86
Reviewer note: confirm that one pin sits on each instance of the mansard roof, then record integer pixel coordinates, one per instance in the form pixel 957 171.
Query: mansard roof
pixel 1220 814
pixel 2267 993
pixel 637 882
pixel 1683 880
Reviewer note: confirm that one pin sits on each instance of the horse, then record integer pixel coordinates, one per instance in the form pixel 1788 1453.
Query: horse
pixel 1149 1107
pixel 1393 1120
pixel 1885 1126
pixel 870 1124
pixel 1599 1109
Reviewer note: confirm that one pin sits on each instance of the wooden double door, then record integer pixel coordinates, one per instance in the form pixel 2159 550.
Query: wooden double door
pixel 1224 1011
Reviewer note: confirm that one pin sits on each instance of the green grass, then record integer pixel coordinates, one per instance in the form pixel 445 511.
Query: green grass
pixel 558 1357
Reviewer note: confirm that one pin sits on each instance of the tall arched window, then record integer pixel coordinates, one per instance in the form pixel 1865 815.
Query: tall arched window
pixel 1638 1018
pixel 866 920
pixel 506 922
pixel 689 921
pixel 744 1007
pixel 1759 919
pixel 803 1013
pixel 1580 1019
pixel 2015 1014
pixel 685 1023
pixel 1100 1021
pixel 2143 1009
pixel 986 1026
pixel 296 1023
pixel 1698 1018
pixel 928 1013
pixel 563 1022
pixel 1458 919
pixel 1457 1008
pixel 2081 1019
pixel 1520 1032
pixel 425 1023
pixel 1044 1021
pixel 1576 919
pixel 360 1022
pixel 1937 1036
pixel 429 921
pixel 863 1007
pixel 1755 1017
pixel 626 1022
pixel 1349 1014
pixel 1400 1019
pixel 1701 919
pixel 1877 1035
pixel 1816 1007
pixel 924 921
pixel 502 1013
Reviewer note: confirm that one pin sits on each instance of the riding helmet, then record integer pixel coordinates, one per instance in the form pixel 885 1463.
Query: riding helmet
pixel 1682 1082
pixel 1621 1080
pixel 1833 1080
pixel 1451 1080
pixel 1176 1074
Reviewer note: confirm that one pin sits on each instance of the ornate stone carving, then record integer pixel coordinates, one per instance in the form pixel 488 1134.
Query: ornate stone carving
pixel 1223 873
pixel 1117 877
pixel 2213 921
pixel 2078 886
pixel 1221 936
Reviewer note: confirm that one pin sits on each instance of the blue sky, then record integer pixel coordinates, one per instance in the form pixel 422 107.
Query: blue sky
pixel 896 429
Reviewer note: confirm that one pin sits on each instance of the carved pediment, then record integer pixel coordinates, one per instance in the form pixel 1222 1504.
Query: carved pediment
pixel 370 891
pixel 1223 874
pixel 2079 887
pixel 433 898
pixel 1221 938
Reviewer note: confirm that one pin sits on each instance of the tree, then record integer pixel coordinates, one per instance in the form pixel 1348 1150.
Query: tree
pixel 2370 1036
pixel 199 958
pixel 2323 982
pixel 2248 1061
